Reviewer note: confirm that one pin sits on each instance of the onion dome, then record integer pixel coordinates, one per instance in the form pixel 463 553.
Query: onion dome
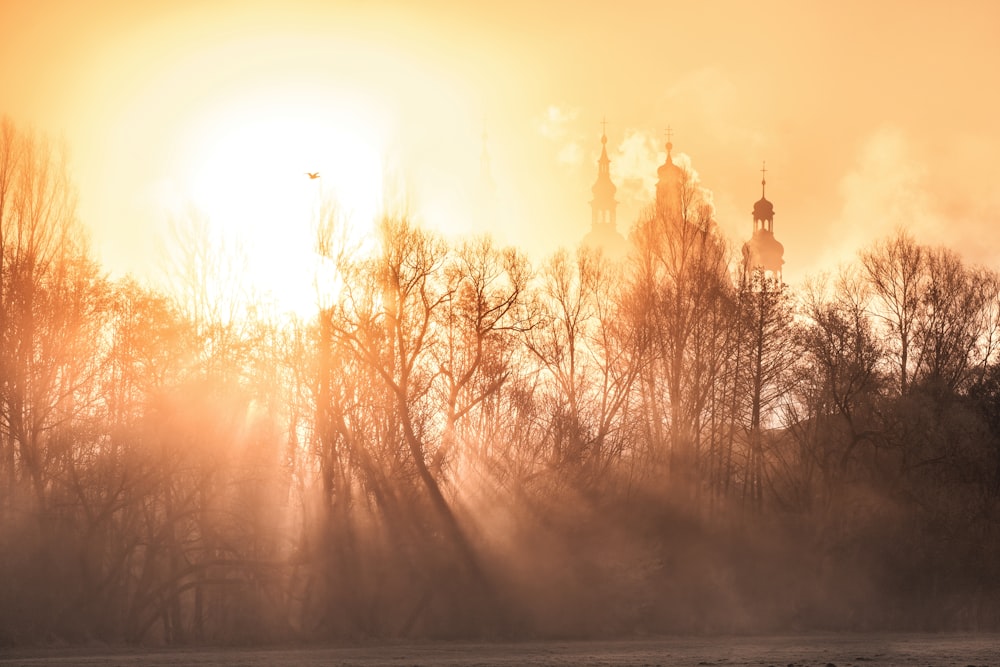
pixel 668 171
pixel 762 208
pixel 669 187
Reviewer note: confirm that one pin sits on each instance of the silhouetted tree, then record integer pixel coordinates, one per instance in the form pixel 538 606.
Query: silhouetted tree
pixel 895 269
pixel 766 310
pixel 839 382
pixel 682 278
pixel 482 315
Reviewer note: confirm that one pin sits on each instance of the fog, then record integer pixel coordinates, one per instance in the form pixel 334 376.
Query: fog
pixel 460 444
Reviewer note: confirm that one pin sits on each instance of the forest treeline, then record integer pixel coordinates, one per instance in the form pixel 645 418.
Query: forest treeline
pixel 461 444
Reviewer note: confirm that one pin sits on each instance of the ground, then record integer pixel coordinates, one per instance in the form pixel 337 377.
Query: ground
pixel 926 650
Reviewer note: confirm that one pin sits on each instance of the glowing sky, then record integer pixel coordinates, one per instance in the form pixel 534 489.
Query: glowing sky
pixel 869 114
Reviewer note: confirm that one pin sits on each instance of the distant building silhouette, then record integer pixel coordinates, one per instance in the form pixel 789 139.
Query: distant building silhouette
pixel 603 232
pixel 763 251
pixel 670 185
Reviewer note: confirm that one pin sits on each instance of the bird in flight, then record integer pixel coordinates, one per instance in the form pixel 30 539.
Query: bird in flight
pixel 312 174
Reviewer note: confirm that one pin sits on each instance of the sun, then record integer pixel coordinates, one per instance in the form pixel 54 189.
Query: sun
pixel 261 168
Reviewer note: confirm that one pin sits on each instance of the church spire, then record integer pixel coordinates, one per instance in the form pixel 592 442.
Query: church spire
pixel 603 233
pixel 763 210
pixel 603 205
pixel 763 252
pixel 604 164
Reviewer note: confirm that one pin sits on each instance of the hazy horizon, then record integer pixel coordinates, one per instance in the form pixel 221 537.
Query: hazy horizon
pixel 869 116
pixel 472 426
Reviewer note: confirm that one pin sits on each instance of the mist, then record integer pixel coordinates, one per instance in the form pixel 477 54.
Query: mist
pixel 460 443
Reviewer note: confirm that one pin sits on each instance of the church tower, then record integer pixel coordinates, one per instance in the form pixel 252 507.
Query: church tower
pixel 763 252
pixel 603 224
pixel 670 185
pixel 603 205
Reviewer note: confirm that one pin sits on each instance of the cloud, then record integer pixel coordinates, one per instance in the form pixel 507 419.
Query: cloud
pixel 634 167
pixel 570 154
pixel 558 125
pixel 901 179
pixel 961 181
pixel 885 189
pixel 555 122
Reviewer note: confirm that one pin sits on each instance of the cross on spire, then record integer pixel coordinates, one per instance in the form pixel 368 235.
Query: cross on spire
pixel 604 124
pixel 763 179
pixel 670 133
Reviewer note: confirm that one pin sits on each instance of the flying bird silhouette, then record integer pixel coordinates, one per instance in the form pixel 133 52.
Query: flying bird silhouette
pixel 312 174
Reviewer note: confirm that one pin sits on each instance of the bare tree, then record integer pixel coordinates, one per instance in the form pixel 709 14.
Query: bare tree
pixel 766 309
pixel 568 314
pixel 952 320
pixel 389 320
pixel 682 275
pixel 895 269
pixel 484 311
pixel 840 357
pixel 45 278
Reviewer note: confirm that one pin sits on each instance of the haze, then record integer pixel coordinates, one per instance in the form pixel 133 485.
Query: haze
pixel 869 115
pixel 380 322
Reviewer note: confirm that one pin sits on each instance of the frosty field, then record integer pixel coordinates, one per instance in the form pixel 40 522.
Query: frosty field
pixel 924 650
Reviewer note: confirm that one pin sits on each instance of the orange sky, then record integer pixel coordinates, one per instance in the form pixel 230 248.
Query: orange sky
pixel 869 115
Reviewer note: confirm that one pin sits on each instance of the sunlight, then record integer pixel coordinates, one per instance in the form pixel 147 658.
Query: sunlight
pixel 261 168
pixel 468 333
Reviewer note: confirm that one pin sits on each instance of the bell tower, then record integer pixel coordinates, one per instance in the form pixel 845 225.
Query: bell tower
pixel 763 252
pixel 603 232
pixel 669 184
pixel 603 206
